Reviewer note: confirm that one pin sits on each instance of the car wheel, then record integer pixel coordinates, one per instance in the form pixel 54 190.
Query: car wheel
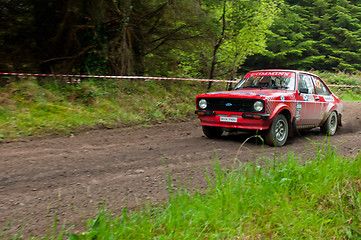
pixel 330 126
pixel 277 133
pixel 212 132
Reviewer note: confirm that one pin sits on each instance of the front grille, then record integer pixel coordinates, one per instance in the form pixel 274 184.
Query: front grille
pixel 230 104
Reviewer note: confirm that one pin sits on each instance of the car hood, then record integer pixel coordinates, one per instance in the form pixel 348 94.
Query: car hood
pixel 247 93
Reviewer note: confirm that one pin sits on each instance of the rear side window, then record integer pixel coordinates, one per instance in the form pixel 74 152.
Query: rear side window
pixel 321 89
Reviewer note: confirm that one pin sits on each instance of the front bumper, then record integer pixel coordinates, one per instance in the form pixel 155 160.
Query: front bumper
pixel 247 121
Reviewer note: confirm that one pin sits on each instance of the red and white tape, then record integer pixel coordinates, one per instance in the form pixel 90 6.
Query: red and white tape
pixel 115 77
pixel 345 86
pixel 139 77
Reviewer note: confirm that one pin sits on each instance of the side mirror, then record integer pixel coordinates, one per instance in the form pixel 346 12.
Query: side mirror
pixel 303 90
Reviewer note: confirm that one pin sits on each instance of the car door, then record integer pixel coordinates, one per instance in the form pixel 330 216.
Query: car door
pixel 323 98
pixel 306 101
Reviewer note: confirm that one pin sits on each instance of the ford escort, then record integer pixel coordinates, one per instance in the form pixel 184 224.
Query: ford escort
pixel 277 103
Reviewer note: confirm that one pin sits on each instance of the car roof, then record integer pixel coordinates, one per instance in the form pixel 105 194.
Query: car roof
pixel 285 70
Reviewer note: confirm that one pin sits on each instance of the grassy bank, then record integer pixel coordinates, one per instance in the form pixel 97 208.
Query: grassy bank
pixel 32 107
pixel 289 198
pixel 41 107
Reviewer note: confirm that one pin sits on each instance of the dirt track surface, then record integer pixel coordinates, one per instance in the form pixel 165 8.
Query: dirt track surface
pixel 70 176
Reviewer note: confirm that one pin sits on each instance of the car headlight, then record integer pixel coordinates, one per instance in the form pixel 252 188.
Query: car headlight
pixel 202 104
pixel 258 106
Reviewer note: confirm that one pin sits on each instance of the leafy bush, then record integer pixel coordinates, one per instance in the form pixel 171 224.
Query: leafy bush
pixel 341 78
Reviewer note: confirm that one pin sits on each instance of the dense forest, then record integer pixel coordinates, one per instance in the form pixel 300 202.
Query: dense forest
pixel 189 38
pixel 308 34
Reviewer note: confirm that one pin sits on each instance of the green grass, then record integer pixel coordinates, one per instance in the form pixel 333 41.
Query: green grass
pixel 290 198
pixel 36 108
pixel 348 94
pixel 341 78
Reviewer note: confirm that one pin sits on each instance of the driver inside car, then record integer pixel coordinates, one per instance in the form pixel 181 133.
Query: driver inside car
pixel 264 82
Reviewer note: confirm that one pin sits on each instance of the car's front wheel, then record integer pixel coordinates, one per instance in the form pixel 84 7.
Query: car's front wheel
pixel 277 133
pixel 212 132
pixel 330 126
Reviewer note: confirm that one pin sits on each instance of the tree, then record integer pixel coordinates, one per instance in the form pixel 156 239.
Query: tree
pixel 194 38
pixel 322 35
pixel 15 35
pixel 239 31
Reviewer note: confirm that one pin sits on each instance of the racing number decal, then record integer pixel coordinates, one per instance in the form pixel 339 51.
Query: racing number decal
pixel 318 84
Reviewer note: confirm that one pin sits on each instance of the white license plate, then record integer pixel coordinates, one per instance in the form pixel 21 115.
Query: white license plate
pixel 228 119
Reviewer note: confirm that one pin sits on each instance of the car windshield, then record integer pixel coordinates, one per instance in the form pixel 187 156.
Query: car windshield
pixel 268 80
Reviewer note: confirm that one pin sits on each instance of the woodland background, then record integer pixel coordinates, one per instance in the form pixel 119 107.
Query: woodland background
pixel 188 38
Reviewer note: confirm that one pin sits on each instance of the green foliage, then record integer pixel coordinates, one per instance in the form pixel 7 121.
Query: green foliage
pixel 288 198
pixel 320 35
pixel 159 38
pixel 191 38
pixel 29 108
pixel 240 28
pixel 342 78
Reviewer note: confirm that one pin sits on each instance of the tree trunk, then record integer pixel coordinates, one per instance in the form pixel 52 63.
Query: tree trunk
pixel 218 45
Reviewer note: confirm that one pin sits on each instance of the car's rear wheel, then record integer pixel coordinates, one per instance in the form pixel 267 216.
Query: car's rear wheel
pixel 277 133
pixel 330 126
pixel 212 132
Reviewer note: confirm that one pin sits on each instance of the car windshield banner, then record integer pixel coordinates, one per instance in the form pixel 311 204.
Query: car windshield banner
pixel 270 73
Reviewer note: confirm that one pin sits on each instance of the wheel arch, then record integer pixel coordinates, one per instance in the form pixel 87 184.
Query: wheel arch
pixel 285 112
pixel 339 116
pixel 283 109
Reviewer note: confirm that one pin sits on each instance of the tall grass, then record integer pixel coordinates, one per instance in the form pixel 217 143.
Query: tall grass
pixel 33 107
pixel 281 199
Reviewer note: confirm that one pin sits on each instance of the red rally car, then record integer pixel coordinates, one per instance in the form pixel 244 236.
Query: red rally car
pixel 276 102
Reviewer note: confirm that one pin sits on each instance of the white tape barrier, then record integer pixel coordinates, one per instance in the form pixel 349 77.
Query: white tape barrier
pixel 114 77
pixel 139 77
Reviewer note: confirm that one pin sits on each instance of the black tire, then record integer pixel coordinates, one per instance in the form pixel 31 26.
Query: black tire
pixel 277 133
pixel 330 126
pixel 212 132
